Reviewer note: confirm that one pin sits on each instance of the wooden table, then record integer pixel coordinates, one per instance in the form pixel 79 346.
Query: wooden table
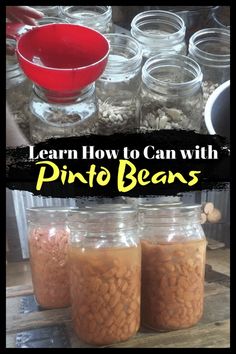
pixel 213 331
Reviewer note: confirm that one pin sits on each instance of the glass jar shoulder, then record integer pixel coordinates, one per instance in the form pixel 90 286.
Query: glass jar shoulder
pixel 172 234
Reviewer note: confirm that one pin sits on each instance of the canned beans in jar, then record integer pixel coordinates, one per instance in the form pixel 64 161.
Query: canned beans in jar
pixel 172 284
pixel 48 258
pixel 105 293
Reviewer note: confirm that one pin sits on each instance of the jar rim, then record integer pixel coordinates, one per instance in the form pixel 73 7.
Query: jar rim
pixel 164 58
pixel 194 41
pixel 107 11
pixel 42 209
pixel 51 19
pixel 178 206
pixel 172 214
pixel 164 14
pixel 130 63
pixel 101 209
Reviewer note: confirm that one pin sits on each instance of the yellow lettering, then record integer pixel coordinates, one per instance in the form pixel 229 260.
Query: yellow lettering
pixel 143 174
pixel 91 173
pixel 155 179
pixel 41 178
pixel 172 177
pixel 78 175
pixel 105 173
pixel 130 175
pixel 195 179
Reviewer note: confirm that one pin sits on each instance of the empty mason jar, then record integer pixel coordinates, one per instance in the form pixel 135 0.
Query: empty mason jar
pixel 48 10
pixel 117 88
pixel 159 32
pixel 105 273
pixel 96 17
pixel 54 115
pixel 46 20
pixel 171 93
pixel 173 266
pixel 210 48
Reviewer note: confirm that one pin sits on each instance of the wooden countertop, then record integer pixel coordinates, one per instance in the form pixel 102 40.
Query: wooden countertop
pixel 213 331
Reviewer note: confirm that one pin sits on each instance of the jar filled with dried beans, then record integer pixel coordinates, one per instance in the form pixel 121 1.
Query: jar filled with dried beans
pixel 55 115
pixel 117 88
pixel 173 266
pixel 171 93
pixel 48 249
pixel 210 48
pixel 105 272
pixel 158 32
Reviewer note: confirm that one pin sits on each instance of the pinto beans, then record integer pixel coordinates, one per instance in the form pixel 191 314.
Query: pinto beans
pixel 172 284
pixel 105 293
pixel 48 260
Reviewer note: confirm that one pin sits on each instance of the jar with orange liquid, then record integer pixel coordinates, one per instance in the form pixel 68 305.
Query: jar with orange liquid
pixel 173 266
pixel 48 247
pixel 105 273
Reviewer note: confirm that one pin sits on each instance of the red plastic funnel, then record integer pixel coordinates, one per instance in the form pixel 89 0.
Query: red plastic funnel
pixel 62 57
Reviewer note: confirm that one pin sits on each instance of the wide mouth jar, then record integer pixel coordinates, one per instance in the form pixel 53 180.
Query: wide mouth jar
pixel 211 47
pixel 47 10
pixel 87 15
pixel 169 215
pixel 174 72
pixel 48 215
pixel 103 219
pixel 50 19
pixel 125 55
pixel 163 27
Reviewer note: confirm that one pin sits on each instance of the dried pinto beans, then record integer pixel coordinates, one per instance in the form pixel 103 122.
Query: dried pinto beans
pixel 173 266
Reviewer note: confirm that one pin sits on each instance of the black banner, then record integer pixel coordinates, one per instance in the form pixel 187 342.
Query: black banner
pixel 164 162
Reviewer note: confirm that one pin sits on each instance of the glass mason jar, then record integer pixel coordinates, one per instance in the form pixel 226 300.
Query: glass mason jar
pixel 105 273
pixel 48 10
pixel 173 266
pixel 210 48
pixel 117 88
pixel 48 249
pixel 46 20
pixel 54 115
pixel 96 17
pixel 18 89
pixel 171 93
pixel 159 32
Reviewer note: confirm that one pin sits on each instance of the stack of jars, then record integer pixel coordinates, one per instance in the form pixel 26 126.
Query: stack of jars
pixel 115 276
